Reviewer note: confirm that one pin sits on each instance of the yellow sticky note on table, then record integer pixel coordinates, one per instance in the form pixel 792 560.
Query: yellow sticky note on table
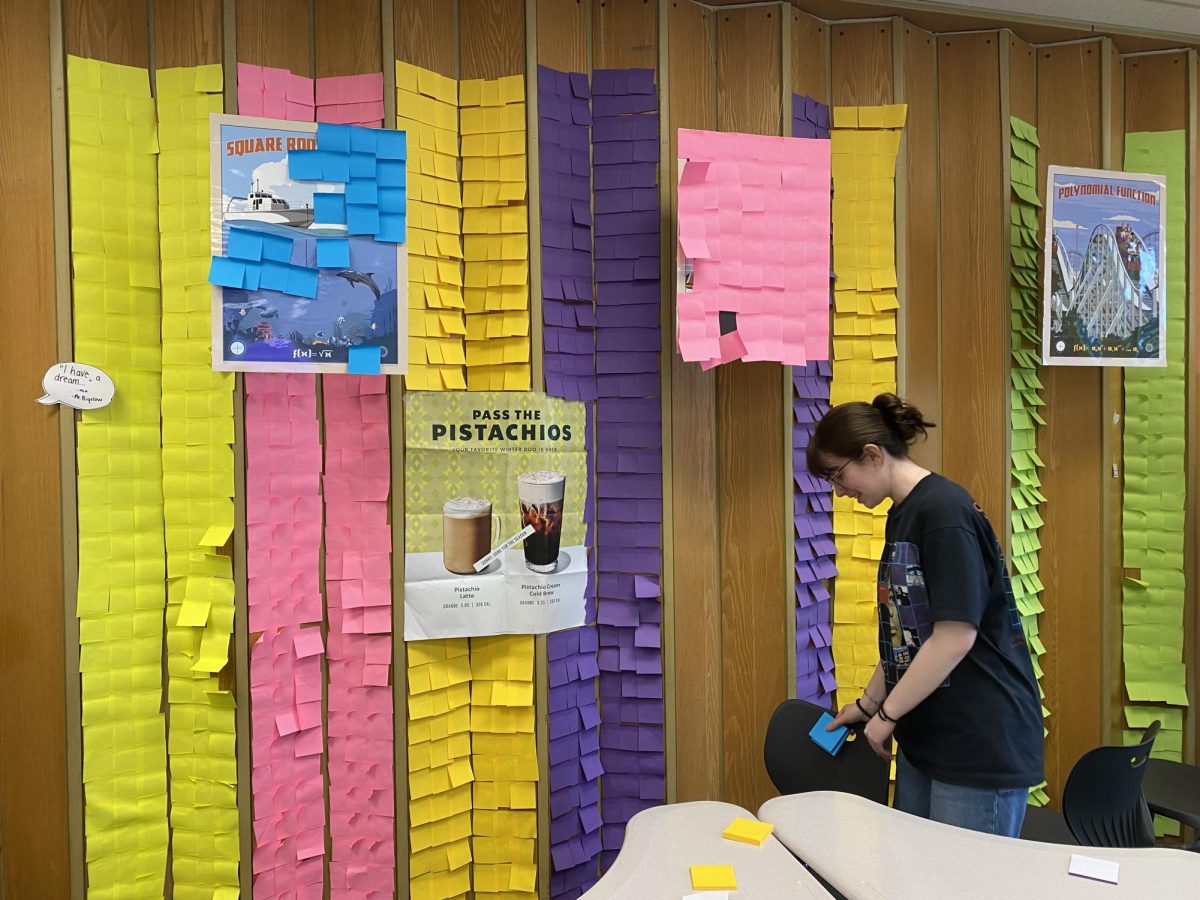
pixel 748 831
pixel 713 878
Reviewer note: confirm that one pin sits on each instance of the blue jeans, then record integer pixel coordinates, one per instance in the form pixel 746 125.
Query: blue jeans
pixel 979 809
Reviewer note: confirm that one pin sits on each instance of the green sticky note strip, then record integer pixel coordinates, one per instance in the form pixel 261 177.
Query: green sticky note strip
pixel 1152 608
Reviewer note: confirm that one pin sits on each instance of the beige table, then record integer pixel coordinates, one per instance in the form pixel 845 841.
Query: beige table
pixel 869 852
pixel 662 843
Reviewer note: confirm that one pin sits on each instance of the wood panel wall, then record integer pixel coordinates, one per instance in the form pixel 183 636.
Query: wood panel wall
pixel 973 253
pixel 750 454
pixel 915 72
pixel 1070 121
pixel 33 707
pixel 696 579
pixel 725 432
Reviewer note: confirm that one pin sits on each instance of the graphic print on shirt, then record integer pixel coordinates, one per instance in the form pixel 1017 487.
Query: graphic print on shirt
pixel 905 622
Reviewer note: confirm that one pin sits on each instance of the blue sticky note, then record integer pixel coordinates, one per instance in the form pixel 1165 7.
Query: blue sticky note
pixel 362 165
pixel 391 144
pixel 390 200
pixel 253 271
pixel 276 247
pixel 362 140
pixel 274 276
pixel 390 173
pixel 302 282
pixel 305 165
pixel 830 741
pixel 336 168
pixel 392 228
pixel 362 191
pixel 230 273
pixel 333 137
pixel 333 253
pixel 244 244
pixel 363 361
pixel 362 219
pixel 329 209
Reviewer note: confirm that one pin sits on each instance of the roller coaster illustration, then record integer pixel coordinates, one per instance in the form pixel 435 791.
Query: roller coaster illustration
pixel 1112 293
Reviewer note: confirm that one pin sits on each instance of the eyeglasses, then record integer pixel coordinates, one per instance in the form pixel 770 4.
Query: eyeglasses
pixel 835 477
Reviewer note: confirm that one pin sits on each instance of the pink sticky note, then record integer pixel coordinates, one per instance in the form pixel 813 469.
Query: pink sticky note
pixel 286 723
pixel 309 846
pixel 308 715
pixel 309 743
pixel 377 620
pixel 308 642
pixel 375 675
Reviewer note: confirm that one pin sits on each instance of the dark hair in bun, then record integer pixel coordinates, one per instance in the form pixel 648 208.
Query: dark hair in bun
pixel 888 422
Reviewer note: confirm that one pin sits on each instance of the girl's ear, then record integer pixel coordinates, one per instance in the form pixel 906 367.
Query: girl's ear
pixel 873 454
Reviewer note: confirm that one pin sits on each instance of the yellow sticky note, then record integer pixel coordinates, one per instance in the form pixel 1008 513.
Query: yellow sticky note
pixel 713 878
pixel 748 831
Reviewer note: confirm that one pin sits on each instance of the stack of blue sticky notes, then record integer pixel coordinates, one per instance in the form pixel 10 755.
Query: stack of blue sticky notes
pixel 830 741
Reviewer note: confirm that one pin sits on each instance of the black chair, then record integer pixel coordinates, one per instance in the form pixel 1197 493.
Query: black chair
pixel 796 764
pixel 1046 826
pixel 1102 800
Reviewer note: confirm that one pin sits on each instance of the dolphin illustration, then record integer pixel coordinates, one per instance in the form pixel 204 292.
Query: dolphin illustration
pixel 270 313
pixel 363 278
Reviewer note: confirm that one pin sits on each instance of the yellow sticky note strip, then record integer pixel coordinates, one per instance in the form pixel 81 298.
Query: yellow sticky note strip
pixel 197 484
pixel 713 878
pixel 864 356
pixel 747 831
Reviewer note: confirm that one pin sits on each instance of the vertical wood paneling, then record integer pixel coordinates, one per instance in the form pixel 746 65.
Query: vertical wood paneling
pixel 1069 124
pixel 861 61
pixel 918 183
pixel 562 35
pixel 754 649
pixel 186 33
pixel 624 34
pixel 1156 96
pixel 112 30
pixel 1112 381
pixel 696 596
pixel 426 35
pixel 1022 79
pixel 33 715
pixel 810 56
pixel 974 246
pixel 491 38
pixel 276 33
pixel 347 37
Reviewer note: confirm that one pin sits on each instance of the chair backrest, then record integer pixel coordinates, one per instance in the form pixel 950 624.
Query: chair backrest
pixel 1102 800
pixel 796 764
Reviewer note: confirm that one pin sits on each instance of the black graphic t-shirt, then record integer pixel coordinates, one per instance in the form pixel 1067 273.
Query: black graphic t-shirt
pixel 942 563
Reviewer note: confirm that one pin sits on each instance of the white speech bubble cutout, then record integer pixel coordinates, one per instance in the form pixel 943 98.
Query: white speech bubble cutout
pixel 77 385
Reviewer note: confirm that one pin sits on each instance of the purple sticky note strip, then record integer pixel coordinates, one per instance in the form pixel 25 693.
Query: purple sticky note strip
pixel 814 548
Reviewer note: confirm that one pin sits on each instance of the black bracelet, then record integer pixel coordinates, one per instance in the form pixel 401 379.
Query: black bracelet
pixel 884 716
pixel 861 708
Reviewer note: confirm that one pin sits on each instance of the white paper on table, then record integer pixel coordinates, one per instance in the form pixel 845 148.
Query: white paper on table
pixel 1096 869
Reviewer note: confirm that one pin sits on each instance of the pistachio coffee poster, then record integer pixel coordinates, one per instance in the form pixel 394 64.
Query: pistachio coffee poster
pixel 495 484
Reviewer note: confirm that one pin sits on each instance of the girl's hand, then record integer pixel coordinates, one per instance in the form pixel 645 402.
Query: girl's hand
pixel 850 715
pixel 879 736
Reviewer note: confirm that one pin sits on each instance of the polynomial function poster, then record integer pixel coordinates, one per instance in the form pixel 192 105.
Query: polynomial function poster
pixel 1104 272
pixel 495 486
